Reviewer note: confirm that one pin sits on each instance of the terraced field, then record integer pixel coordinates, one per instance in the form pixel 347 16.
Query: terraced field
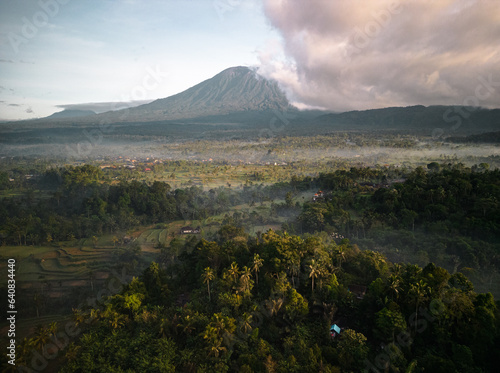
pixel 57 264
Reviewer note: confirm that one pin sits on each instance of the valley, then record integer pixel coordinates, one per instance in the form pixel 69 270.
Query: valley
pixel 216 174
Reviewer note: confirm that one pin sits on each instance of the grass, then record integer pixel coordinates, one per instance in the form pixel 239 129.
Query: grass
pixel 53 263
pixel 20 252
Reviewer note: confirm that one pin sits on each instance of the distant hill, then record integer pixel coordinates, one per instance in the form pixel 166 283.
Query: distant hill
pixel 486 138
pixel 71 114
pixel 239 103
pixel 450 119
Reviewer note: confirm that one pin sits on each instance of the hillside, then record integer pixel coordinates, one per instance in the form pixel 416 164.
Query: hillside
pixel 234 90
pixel 486 138
pixel 450 119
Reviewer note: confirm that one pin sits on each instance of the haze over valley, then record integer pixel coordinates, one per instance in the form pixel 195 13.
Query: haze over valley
pixel 250 186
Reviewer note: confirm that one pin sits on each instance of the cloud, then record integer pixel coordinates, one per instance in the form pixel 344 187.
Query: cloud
pixel 344 54
pixel 5 61
pixel 101 107
pixel 14 105
pixel 29 110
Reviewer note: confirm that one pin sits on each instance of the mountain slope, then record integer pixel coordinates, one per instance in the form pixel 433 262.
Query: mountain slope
pixel 444 119
pixel 234 90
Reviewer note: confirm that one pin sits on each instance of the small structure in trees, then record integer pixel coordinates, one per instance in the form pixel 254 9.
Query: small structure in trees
pixel 358 290
pixel 190 230
pixel 127 239
pixel 318 196
pixel 335 330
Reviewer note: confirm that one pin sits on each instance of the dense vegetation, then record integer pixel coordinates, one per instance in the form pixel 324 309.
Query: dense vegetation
pixel 238 302
pixel 81 202
pixel 444 214
pixel 266 304
pixel 488 137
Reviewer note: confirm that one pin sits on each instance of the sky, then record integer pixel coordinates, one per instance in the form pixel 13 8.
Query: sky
pixel 337 55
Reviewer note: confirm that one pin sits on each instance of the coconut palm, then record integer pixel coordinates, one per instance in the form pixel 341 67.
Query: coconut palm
pixel 256 264
pixel 187 324
pixel 234 271
pixel 245 278
pixel 246 323
pixel 41 338
pixel 418 292
pixel 207 276
pixel 340 253
pixel 274 305
pixel 394 286
pixel 314 272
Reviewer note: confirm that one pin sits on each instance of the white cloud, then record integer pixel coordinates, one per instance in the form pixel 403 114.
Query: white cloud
pixel 347 54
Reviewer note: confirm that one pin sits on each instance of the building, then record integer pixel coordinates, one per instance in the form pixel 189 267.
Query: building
pixel 318 196
pixel 190 230
pixel 358 290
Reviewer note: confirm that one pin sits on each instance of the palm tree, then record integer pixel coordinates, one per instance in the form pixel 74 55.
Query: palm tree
pixel 394 286
pixel 294 270
pixel 340 253
pixel 207 276
pixel 233 271
pixel 246 323
pixel 215 347
pixel 245 278
pixel 314 272
pixel 256 264
pixel 219 330
pixel 187 324
pixel 274 305
pixel 418 293
pixel 41 338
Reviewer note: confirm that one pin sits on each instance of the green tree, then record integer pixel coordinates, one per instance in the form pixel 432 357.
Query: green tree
pixel 314 272
pixel 388 322
pixel 207 276
pixel 418 292
pixel 246 278
pixel 234 271
pixel 257 263
pixel 353 350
